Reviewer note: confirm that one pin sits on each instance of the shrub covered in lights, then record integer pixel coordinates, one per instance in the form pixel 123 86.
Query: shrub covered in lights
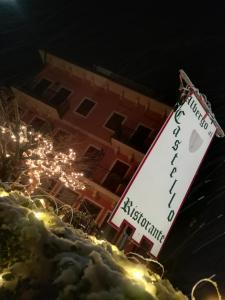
pixel 43 258
pixel 27 157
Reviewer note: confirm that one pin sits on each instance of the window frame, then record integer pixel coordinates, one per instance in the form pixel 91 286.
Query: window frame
pixel 80 103
pixel 112 165
pixel 58 89
pixel 110 116
pixel 98 160
pixel 39 80
pixel 136 128
pixel 94 146
pixel 58 129
pixel 37 117
pixel 63 186
pixel 108 211
pixel 95 203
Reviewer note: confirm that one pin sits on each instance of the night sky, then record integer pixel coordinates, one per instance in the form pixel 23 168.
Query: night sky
pixel 147 44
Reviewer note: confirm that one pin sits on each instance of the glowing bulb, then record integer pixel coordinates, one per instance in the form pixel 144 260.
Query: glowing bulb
pixel 42 202
pixel 97 241
pixel 3 193
pixel 115 249
pixel 2 280
pixel 137 275
pixel 40 215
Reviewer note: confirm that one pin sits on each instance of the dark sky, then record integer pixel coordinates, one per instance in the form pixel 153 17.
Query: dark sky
pixel 146 43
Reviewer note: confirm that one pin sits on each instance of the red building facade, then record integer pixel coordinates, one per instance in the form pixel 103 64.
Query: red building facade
pixel 109 126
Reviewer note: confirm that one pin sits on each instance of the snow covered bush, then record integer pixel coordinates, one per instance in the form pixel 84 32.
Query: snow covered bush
pixel 44 258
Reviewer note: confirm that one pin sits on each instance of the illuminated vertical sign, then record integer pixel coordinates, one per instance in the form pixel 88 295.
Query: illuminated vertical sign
pixel 159 186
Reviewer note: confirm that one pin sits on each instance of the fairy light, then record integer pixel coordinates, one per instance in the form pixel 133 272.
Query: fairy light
pixel 39 215
pixel 1 279
pixel 40 158
pixel 206 280
pixel 139 274
pixel 3 193
pixel 42 201
pixel 45 217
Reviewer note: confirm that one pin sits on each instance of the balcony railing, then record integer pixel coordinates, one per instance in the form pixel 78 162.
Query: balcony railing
pixel 61 107
pixel 101 189
pixel 26 100
pixel 108 181
pixel 125 136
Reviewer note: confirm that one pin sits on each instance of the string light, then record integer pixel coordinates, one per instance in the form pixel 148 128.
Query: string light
pixel 140 275
pixel 39 215
pixel 206 280
pixel 3 193
pixel 47 218
pixel 1 279
pixel 40 158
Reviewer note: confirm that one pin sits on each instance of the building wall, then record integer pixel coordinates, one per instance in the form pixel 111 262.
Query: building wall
pixel 84 131
pixel 106 102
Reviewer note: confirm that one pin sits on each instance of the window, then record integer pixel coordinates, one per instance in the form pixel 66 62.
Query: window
pixel 62 137
pixel 115 123
pixel 93 153
pixel 41 125
pixel 41 87
pixel 60 97
pixel 140 139
pixel 115 176
pixel 64 140
pixel 12 112
pixel 85 107
pixel 90 208
pixel 68 196
pixel 21 111
pixel 51 91
pixel 92 158
pixel 48 184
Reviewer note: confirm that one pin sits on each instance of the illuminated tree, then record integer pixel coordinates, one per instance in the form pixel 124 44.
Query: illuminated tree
pixel 28 157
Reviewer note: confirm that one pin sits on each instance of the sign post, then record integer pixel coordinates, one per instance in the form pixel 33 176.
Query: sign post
pixel 157 190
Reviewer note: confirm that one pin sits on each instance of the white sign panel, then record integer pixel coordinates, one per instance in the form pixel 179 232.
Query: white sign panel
pixel 158 188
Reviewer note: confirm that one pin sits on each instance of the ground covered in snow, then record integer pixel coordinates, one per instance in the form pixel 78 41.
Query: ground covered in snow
pixel 43 258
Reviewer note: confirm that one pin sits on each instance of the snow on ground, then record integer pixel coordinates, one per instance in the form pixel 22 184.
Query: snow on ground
pixel 43 258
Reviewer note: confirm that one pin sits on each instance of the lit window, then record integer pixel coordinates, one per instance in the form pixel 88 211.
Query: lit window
pixel 85 107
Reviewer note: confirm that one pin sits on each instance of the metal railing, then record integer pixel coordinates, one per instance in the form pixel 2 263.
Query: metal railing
pixel 46 98
pixel 124 135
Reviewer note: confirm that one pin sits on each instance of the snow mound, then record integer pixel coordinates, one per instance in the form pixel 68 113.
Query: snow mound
pixel 44 258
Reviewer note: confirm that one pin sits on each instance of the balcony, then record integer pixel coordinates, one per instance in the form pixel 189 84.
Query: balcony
pixel 126 150
pixel 132 143
pixel 101 189
pixel 44 102
pixel 112 182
